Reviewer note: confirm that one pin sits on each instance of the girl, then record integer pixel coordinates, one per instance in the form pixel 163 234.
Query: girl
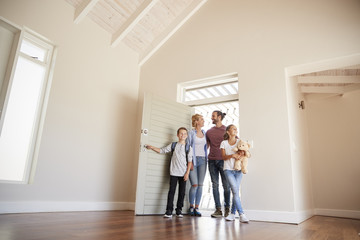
pixel 233 176
pixel 197 140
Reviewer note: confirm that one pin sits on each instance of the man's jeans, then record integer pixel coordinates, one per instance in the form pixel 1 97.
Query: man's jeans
pixel 216 167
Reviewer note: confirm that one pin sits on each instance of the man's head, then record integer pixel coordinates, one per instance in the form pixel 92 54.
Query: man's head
pixel 217 116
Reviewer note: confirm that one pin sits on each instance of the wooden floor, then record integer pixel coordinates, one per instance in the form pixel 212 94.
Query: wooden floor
pixel 113 225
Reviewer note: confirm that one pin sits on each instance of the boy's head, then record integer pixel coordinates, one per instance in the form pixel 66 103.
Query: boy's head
pixel 182 133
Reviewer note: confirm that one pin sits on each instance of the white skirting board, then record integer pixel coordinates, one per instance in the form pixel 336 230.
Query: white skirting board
pixel 34 206
pixel 338 213
pixel 255 215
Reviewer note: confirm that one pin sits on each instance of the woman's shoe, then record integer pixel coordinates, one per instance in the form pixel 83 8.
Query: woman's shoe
pixel 191 211
pixel 197 213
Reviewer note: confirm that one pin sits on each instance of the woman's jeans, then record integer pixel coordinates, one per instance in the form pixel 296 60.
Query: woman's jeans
pixel 197 176
pixel 234 179
pixel 216 167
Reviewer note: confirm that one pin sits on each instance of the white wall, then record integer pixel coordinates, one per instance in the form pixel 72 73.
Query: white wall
pixel 300 151
pixel 334 134
pixel 258 39
pixel 87 155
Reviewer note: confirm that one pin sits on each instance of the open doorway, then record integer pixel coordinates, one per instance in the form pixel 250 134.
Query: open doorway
pixel 324 111
pixel 206 96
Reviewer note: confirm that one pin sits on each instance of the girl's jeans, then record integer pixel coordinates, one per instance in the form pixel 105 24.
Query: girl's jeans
pixel 234 179
pixel 197 176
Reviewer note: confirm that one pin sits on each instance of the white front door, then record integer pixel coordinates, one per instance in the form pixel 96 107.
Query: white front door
pixel 161 119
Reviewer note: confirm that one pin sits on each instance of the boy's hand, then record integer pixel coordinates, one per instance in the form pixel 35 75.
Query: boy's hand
pixel 186 176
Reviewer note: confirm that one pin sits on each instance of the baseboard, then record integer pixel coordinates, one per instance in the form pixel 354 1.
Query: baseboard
pixel 32 207
pixel 279 216
pixel 338 213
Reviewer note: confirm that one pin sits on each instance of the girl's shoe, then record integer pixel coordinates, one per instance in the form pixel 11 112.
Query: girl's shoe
pixel 230 217
pixel 197 213
pixel 243 218
pixel 191 211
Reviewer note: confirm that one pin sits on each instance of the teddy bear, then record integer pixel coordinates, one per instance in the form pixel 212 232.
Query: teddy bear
pixel 241 164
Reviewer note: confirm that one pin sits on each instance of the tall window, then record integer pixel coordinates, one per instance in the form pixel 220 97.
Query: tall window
pixel 24 94
pixel 206 96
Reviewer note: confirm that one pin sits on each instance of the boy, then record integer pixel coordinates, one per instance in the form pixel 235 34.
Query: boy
pixel 179 171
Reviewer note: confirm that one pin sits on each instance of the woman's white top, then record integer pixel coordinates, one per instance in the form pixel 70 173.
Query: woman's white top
pixel 199 146
pixel 229 164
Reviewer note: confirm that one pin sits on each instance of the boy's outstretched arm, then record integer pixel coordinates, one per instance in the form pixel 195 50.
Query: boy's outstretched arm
pixel 155 149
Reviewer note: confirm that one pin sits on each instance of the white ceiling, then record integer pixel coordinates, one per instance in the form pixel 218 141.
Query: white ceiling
pixel 334 81
pixel 143 25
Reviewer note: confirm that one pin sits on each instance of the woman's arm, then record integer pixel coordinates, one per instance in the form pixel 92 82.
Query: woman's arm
pixel 155 149
pixel 227 157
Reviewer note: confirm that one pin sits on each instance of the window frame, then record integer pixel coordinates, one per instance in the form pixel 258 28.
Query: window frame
pixel 49 62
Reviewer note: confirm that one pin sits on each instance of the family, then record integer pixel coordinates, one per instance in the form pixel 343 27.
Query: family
pixel 189 160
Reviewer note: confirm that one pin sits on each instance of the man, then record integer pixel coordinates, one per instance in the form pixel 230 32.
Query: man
pixel 214 136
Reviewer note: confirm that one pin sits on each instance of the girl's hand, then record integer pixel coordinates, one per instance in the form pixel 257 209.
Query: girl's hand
pixel 236 156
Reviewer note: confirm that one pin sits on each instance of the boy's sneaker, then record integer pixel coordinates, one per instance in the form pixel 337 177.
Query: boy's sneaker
pixel 227 211
pixel 168 214
pixel 230 217
pixel 197 213
pixel 179 215
pixel 217 213
pixel 243 218
pixel 191 211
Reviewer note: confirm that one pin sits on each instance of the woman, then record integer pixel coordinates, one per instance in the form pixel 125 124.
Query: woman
pixel 197 140
pixel 234 177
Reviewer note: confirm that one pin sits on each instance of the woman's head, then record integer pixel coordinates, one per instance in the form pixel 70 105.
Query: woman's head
pixel 197 120
pixel 231 130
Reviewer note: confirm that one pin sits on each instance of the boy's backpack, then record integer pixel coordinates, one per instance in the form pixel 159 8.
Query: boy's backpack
pixel 187 149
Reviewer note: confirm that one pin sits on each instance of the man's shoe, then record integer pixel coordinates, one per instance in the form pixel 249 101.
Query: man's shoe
pixel 217 213
pixel 243 218
pixel 227 211
pixel 231 217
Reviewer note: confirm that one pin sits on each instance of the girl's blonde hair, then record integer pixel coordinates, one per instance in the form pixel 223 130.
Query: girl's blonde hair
pixel 226 135
pixel 195 118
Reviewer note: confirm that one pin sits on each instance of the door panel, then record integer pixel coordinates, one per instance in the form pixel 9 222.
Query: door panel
pixel 161 119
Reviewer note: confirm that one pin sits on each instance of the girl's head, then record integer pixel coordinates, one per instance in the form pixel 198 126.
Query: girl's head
pixel 182 133
pixel 197 120
pixel 231 131
pixel 217 116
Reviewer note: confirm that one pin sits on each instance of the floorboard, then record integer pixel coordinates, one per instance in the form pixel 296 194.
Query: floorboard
pixel 111 225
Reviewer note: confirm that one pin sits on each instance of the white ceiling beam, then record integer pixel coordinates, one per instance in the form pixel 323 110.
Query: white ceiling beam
pixel 83 9
pixel 134 19
pixel 330 89
pixel 171 29
pixel 352 87
pixel 329 79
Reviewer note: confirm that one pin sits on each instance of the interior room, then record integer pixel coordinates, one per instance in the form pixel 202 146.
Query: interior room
pixel 298 70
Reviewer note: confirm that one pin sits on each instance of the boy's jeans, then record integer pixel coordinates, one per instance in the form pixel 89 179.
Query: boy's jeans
pixel 180 201
pixel 216 167
pixel 197 176
pixel 234 179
